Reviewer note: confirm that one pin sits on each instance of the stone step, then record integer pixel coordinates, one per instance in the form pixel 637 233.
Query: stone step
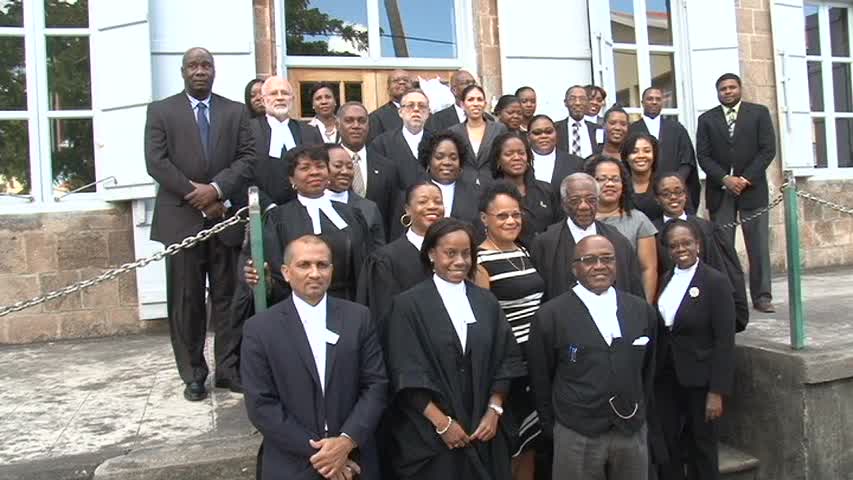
pixel 737 465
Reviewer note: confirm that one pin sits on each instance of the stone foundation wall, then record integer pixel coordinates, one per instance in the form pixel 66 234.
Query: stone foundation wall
pixel 488 46
pixel 47 251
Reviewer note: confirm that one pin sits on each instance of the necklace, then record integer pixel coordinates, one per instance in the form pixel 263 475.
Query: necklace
pixel 523 266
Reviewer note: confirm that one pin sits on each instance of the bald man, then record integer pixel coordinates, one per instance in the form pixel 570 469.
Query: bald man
pixel 450 116
pixel 387 117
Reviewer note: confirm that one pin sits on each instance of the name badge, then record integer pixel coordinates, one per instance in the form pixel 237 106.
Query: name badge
pixel 331 337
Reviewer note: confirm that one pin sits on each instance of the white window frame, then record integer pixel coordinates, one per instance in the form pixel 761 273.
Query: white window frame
pixel 38 116
pixel 832 170
pixel 466 56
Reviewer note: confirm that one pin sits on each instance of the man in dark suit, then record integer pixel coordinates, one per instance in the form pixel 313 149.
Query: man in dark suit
pixel 401 145
pixel 199 148
pixel 387 117
pixel 450 116
pixel 591 361
pixel 574 134
pixel 735 143
pixel 341 172
pixel 314 376
pixel 675 149
pixel 375 177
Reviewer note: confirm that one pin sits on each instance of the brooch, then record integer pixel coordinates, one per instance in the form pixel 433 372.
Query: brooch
pixel 694 292
pixel 542 204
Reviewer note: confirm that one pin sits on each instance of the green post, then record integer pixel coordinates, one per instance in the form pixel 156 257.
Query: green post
pixel 792 240
pixel 256 236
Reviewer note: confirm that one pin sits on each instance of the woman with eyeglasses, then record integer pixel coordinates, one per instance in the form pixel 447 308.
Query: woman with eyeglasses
pixel 477 132
pixel 504 267
pixel 615 208
pixel 550 164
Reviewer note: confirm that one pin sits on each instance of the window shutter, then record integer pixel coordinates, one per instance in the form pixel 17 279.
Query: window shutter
pixel 713 43
pixel 601 41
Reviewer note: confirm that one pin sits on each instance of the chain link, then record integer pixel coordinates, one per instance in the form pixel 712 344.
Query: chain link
pixel 825 203
pixel 172 249
pixel 776 201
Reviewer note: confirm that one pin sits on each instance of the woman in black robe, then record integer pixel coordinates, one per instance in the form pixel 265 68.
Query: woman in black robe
pixel 397 267
pixel 451 359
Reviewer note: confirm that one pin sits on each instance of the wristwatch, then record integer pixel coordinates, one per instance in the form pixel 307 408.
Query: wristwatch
pixel 497 408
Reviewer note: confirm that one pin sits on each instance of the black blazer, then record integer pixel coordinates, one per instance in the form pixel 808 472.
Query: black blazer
pixel 442 120
pixel 748 153
pixel 384 119
pixel 284 397
pixel 383 183
pixel 392 145
pixel 374 220
pixel 174 157
pixel 700 346
pixel 477 169
pixel 564 141
pixel 565 164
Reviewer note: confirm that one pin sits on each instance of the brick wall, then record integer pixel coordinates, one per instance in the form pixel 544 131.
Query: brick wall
pixel 265 46
pixel 44 252
pixel 488 46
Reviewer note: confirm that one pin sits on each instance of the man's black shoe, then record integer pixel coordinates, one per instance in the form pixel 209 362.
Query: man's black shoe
pixel 231 384
pixel 195 392
pixel 764 306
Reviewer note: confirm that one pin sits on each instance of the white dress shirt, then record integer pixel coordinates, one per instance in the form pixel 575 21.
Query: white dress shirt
pixel 447 192
pixel 653 125
pixel 413 140
pixel 342 197
pixel 602 309
pixel 583 132
pixel 313 319
pixel 194 103
pixel 683 216
pixel 579 233
pixel 673 293
pixel 592 118
pixel 362 163
pixel 317 205
pixel 460 113
pixel 280 136
pixel 415 239
pixel 457 305
pixel 543 166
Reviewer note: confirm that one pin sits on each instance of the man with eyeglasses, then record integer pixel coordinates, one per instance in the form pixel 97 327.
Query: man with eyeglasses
pixel 591 363
pixel 553 250
pixel 401 145
pixel 575 134
pixel 386 117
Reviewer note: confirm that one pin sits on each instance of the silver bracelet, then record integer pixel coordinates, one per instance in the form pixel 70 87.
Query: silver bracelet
pixel 445 429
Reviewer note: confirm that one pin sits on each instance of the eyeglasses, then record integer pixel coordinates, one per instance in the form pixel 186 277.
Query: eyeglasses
pixel 504 216
pixel 593 260
pixel 415 106
pixel 576 201
pixel 614 180
pixel 671 193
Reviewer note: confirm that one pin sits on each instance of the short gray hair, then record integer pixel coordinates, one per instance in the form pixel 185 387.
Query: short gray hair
pixel 576 177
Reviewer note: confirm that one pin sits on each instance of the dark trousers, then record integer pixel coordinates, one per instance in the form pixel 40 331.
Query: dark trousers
pixel 242 307
pixel 690 440
pixel 612 455
pixel 756 235
pixel 186 273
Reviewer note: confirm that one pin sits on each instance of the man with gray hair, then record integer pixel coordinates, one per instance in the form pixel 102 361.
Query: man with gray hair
pixel 552 250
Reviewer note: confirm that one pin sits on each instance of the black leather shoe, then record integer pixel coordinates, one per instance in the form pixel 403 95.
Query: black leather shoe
pixel 764 306
pixel 195 392
pixel 231 384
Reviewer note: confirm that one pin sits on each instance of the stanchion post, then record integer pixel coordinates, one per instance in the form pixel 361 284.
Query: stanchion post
pixel 792 241
pixel 256 236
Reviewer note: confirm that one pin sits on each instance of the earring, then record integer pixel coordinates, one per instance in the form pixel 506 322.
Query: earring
pixel 406 220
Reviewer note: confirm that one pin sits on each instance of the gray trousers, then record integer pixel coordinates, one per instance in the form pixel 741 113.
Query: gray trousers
pixel 756 235
pixel 609 456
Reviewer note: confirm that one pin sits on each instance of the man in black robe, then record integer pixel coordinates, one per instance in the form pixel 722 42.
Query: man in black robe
pixel 401 145
pixel 387 117
pixel 552 250
pixel 591 363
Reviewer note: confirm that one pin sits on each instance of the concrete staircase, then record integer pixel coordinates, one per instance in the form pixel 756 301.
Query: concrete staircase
pixel 737 465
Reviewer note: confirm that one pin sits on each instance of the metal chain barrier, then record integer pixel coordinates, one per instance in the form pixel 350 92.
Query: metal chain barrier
pixel 172 249
pixel 825 203
pixel 776 201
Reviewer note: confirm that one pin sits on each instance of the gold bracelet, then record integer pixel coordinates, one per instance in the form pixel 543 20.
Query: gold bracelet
pixel 445 429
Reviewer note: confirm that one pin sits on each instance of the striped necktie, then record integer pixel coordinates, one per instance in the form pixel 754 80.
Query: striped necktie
pixel 358 185
pixel 731 119
pixel 576 139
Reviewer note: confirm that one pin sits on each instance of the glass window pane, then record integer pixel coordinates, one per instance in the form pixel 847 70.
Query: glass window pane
pixel 14 157
pixel 838 32
pixel 815 86
pixel 326 27
pixel 659 19
pixel 841 87
pixel 812 30
pixel 13 75
pixel 844 134
pixel 353 92
pixel 415 28
pixel 663 77
pixel 11 13
pixel 622 21
pixel 819 142
pixel 306 108
pixel 66 13
pixel 627 79
pixel 68 75
pixel 72 154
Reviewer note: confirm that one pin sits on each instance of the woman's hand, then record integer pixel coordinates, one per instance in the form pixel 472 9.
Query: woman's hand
pixel 455 437
pixel 713 406
pixel 250 273
pixel 488 427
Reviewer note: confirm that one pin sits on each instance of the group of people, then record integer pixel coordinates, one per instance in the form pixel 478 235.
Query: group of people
pixel 463 293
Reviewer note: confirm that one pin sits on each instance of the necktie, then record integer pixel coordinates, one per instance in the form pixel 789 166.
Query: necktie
pixel 576 139
pixel 358 185
pixel 731 119
pixel 203 126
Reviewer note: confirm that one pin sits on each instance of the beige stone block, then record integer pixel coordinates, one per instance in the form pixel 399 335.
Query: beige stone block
pixel 128 296
pixel 18 287
pixel 759 73
pixel 32 327
pixel 103 295
pixel 761 22
pixel 55 281
pixel 744 20
pixel 82 250
pixel 761 47
pixel 14 257
pixel 120 243
pixel 41 252
pixel 754 4
pixel 124 321
pixel 743 42
pixel 84 324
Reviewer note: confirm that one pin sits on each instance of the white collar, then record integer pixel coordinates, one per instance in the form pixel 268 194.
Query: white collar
pixel 342 197
pixel 590 118
pixel 362 154
pixel 444 286
pixel 415 239
pixel 194 101
pixel 303 306
pixel 683 216
pixel 548 156
pixel 409 136
pixel 275 123
pixel 573 121
pixel 460 113
pixel 317 205
pixel 579 233
pixel 670 298
pixel 689 271
pixel 455 300
pixel 602 308
pixel 651 119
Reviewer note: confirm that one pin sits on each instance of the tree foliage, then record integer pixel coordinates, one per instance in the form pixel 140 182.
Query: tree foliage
pixel 304 21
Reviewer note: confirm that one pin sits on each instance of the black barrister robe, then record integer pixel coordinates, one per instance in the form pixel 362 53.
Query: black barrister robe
pixel 392 269
pixel 425 360
pixel 552 253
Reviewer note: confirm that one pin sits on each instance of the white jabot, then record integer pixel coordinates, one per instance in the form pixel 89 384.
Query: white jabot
pixel 460 113
pixel 673 293
pixel 313 319
pixel 328 135
pixel 457 305
pixel 653 125
pixel 414 239
pixel 447 192
pixel 362 162
pixel 322 204
pixel 543 166
pixel 583 132
pixel 602 309
pixel 579 233
pixel 413 140
pixel 280 136
pixel 683 216
pixel 342 197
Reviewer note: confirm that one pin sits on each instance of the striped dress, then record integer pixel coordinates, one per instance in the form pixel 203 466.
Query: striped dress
pixel 519 289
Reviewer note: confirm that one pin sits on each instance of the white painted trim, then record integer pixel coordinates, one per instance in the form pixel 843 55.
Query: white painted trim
pixel 367 62
pixel 280 43
pixel 824 174
pixel 19 206
pixel 374 41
